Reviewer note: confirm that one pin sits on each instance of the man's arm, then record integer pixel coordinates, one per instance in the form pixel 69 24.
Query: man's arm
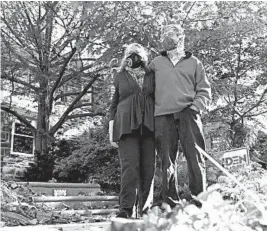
pixel 203 90
pixel 151 66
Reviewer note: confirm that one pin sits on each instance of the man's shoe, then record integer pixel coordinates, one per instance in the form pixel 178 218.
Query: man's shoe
pixel 144 212
pixel 195 202
pixel 122 215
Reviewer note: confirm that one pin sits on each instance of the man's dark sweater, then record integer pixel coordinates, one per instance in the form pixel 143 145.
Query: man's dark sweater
pixel 181 85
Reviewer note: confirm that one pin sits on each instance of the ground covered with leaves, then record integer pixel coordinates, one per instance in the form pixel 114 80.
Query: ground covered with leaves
pixel 19 208
pixel 224 207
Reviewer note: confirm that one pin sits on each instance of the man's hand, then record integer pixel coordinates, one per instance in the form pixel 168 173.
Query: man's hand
pixel 110 130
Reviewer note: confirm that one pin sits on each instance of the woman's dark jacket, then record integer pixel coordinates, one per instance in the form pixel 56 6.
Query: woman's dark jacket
pixel 132 107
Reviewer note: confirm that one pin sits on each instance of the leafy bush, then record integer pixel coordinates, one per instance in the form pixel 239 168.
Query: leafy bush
pixel 259 149
pixel 225 207
pixel 42 169
pixel 253 177
pixel 216 214
pixel 95 158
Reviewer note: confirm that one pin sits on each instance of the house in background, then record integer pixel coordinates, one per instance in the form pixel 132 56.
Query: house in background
pixel 17 144
pixel 17 141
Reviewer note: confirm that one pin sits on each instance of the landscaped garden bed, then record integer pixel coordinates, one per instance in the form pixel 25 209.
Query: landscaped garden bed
pixel 224 207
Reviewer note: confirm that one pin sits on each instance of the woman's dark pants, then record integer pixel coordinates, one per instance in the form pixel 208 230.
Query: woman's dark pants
pixel 185 126
pixel 137 159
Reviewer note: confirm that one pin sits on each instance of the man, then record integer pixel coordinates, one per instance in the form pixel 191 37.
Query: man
pixel 182 93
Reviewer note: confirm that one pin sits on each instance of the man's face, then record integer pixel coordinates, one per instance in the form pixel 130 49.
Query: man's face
pixel 171 39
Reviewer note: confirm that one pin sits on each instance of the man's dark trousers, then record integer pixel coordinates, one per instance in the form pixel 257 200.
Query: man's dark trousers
pixel 137 159
pixel 185 126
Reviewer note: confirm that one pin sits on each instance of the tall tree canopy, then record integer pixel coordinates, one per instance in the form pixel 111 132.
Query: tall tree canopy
pixel 47 46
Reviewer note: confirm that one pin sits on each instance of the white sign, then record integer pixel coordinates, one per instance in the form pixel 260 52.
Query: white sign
pixel 60 192
pixel 235 157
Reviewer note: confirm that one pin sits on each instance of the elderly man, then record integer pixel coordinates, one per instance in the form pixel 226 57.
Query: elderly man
pixel 182 92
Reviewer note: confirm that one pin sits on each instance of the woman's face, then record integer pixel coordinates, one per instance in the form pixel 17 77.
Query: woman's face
pixel 135 60
pixel 135 55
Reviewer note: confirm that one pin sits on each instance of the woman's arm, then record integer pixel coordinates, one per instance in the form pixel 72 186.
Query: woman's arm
pixel 112 112
pixel 114 101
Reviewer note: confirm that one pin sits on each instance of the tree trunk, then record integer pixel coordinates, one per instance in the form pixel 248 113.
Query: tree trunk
pixel 42 139
pixel 237 134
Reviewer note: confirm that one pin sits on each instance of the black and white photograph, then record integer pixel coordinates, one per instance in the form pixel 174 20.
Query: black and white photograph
pixel 133 115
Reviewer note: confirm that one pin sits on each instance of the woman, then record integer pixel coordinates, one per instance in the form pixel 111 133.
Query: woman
pixel 131 129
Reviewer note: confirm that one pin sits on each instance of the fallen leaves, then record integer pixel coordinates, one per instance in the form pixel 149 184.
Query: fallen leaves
pixel 18 208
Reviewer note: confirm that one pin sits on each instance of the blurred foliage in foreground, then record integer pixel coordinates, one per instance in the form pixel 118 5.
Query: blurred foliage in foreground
pixel 225 207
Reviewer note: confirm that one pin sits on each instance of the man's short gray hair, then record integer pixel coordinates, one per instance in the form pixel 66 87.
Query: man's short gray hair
pixel 176 28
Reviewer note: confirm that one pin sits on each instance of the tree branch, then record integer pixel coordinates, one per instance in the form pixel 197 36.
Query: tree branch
pixel 82 105
pixel 250 67
pixel 66 33
pixel 33 32
pixel 70 108
pixel 68 94
pixel 188 12
pixel 21 58
pixel 13 32
pixel 60 62
pixel 257 114
pixel 63 46
pixel 28 50
pixel 239 59
pixel 137 21
pixel 216 109
pixel 5 76
pixel 48 36
pixel 74 74
pixel 257 104
pixel 56 85
pixel 19 117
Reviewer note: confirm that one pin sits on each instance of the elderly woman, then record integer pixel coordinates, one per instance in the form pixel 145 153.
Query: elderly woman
pixel 131 129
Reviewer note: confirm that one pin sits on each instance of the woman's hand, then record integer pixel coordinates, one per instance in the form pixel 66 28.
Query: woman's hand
pixel 110 130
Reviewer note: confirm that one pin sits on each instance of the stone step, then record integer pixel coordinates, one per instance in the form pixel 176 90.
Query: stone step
pixel 74 198
pixel 81 204
pixel 60 185
pixel 63 189
pixel 91 205
pixel 87 212
pixel 66 197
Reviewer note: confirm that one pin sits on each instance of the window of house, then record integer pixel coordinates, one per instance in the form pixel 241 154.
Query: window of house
pixel 5 129
pixel 22 139
pixel 5 133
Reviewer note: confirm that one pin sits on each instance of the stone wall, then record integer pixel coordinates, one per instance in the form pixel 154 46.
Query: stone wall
pixel 13 166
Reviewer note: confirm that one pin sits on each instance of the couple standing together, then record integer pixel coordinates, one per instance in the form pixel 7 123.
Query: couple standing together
pixel 153 107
